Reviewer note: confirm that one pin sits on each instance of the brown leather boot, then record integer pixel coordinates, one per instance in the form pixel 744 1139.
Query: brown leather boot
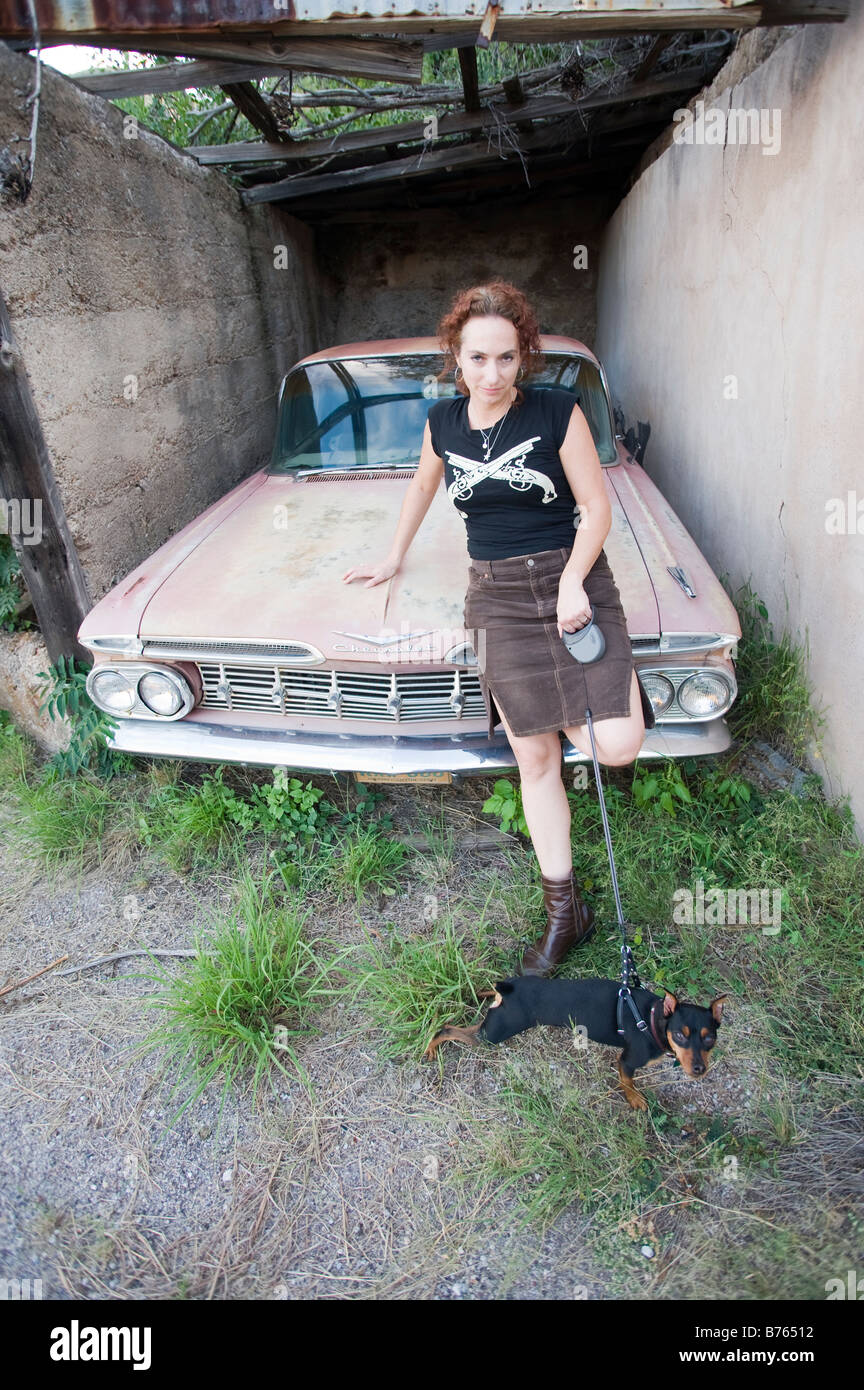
pixel 570 922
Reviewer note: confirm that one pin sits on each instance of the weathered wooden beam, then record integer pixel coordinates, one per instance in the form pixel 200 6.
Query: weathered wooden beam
pixel 357 141
pixel 561 143
pixel 514 91
pixel 397 62
pixel 651 57
pixel 470 80
pixel 575 177
pixel 555 174
pixel 516 97
pixel 251 104
pixel 417 165
pixel 429 94
pixel 390 59
pixel 51 567
pixel 535 108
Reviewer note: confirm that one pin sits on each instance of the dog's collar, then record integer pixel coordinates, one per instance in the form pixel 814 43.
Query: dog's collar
pixel 661 1041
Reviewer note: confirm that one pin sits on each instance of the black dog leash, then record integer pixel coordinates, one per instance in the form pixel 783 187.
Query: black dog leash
pixel 629 978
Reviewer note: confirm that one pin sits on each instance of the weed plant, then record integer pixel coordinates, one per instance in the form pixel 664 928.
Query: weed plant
pixel 250 993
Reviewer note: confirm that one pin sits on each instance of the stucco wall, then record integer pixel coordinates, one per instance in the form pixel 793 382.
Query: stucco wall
pixel 728 270
pixel 152 320
pixel 398 275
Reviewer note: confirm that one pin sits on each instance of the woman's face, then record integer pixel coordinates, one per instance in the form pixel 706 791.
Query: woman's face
pixel 489 358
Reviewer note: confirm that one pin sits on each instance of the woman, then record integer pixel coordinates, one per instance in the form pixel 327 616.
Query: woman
pixel 517 461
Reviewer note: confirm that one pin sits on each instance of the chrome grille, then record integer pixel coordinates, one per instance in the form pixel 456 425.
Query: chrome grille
pixel 178 649
pixel 374 695
pixel 347 476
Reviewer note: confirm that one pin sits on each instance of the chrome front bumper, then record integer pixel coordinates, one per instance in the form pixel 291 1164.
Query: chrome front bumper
pixel 463 755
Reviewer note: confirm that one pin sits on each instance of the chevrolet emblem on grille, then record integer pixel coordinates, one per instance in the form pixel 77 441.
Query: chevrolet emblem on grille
pixel 384 641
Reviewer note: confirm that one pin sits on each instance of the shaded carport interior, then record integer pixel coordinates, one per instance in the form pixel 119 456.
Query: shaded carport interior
pixel 582 124
pixel 503 160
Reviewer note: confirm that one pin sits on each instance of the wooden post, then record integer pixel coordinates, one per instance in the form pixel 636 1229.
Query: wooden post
pixel 51 567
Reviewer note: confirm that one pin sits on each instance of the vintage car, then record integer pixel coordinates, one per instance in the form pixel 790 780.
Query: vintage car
pixel 237 641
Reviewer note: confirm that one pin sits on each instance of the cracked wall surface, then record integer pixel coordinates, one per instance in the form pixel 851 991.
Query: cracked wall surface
pixel 152 319
pixel 398 275
pixel 730 305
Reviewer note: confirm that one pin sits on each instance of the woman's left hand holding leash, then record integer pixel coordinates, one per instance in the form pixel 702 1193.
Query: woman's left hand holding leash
pixel 574 605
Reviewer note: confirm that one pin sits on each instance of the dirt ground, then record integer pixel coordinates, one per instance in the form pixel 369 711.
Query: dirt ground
pixel 364 1189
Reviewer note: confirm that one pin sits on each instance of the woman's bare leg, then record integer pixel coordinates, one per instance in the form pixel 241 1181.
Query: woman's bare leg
pixel 618 740
pixel 544 799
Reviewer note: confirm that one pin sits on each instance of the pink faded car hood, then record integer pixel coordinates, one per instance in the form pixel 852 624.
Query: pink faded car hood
pixel 267 563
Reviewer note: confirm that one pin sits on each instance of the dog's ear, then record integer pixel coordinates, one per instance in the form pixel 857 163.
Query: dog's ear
pixel 670 1003
pixel 504 986
pixel 716 1007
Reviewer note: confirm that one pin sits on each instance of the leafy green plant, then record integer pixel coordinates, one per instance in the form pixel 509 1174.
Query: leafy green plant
pixel 775 700
pixel 66 697
pixel 506 803
pixel 727 792
pixel 658 790
pixel 366 808
pixel 290 808
pixel 191 824
pixel 11 587
pixel 251 991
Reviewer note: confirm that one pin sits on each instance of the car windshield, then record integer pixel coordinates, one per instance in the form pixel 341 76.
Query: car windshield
pixel 369 412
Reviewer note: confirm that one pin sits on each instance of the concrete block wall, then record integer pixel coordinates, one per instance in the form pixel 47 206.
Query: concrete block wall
pixel 152 318
pixel 730 305
pixel 398 275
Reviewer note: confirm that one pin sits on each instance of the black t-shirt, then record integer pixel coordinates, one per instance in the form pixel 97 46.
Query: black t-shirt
pixel 520 501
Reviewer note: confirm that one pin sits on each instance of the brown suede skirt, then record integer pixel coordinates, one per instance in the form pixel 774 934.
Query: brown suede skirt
pixel 525 670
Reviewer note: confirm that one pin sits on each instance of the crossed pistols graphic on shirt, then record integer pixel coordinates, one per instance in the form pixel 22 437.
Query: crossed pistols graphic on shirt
pixel 509 468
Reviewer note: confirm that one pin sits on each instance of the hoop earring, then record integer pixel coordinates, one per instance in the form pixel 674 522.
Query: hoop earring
pixel 521 373
pixel 456 374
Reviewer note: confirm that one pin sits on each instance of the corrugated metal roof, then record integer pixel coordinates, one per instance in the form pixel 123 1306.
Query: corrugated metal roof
pixel 81 17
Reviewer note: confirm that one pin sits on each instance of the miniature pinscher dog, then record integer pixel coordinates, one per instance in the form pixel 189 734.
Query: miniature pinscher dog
pixel 675 1027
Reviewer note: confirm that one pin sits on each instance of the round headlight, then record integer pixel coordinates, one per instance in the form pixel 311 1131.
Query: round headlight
pixel 159 693
pixel 660 691
pixel 704 693
pixel 114 691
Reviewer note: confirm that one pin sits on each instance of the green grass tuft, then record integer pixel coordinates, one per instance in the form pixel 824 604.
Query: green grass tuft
pixel 366 861
pixel 410 986
pixel 561 1143
pixel 254 985
pixel 775 699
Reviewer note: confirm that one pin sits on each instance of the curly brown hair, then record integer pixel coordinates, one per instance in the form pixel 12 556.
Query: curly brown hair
pixel 497 297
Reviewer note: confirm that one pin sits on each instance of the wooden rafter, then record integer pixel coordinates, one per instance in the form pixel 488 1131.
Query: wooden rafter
pixel 470 80
pixel 535 108
pixel 251 104
pixel 357 57
pixel 421 164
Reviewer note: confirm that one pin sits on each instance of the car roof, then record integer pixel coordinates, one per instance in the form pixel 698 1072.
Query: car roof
pixel 393 347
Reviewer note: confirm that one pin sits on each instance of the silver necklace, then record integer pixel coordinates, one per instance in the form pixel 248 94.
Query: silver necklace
pixel 487 443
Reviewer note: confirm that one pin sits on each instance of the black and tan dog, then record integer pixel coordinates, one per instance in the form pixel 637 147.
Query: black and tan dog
pixel 674 1026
